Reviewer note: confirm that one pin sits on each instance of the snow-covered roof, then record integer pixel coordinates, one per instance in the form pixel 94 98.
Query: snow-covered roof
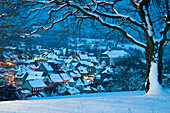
pixel 109 69
pixel 50 61
pixel 62 88
pixel 85 81
pixel 74 64
pixel 20 74
pixel 29 61
pixel 79 82
pixel 98 67
pixel 91 54
pixel 71 80
pixel 68 61
pixel 19 61
pixel 73 91
pixel 52 56
pixel 65 76
pixel 116 53
pixel 37 83
pixel 76 73
pixel 85 63
pixel 92 58
pixel 23 68
pixel 98 76
pixel 87 88
pixel 100 87
pixel 82 69
pixel 47 66
pixel 73 74
pixel 25 91
pixel 55 77
pixel 83 56
pixel 35 75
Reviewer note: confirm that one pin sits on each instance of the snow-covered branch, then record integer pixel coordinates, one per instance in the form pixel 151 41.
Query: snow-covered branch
pixel 109 25
pixel 55 10
pixel 120 16
pixel 47 28
pixel 43 7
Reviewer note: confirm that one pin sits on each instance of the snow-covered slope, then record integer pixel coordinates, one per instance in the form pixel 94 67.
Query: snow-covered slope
pixel 117 102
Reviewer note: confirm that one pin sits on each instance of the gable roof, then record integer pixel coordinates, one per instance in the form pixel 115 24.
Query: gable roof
pixel 92 58
pixel 34 75
pixel 37 83
pixel 82 69
pixel 65 76
pixel 55 77
pixel 85 63
pixel 73 90
pixel 74 57
pixel 47 66
pixel 83 56
pixel 116 53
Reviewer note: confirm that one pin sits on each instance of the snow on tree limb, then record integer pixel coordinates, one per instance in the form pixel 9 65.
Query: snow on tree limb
pixel 43 7
pixel 101 21
pixel 55 10
pixel 47 28
pixel 95 14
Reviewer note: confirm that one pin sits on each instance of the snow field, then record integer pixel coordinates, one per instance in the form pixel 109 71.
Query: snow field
pixel 116 102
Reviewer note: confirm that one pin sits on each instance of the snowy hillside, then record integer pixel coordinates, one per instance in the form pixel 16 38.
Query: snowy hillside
pixel 117 102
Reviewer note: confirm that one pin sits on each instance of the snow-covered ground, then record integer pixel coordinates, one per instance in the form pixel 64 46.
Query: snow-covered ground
pixel 116 102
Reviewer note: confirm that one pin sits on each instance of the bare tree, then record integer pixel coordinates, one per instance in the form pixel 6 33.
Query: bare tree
pixel 14 20
pixel 133 18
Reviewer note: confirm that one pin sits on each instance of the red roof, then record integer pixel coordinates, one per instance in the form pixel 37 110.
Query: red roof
pixel 74 57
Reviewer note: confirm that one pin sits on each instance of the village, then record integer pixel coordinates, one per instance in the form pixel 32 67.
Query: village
pixel 44 72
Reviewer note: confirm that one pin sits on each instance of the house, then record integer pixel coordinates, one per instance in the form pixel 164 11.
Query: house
pixel 51 56
pixel 100 88
pixel 19 77
pixel 81 83
pixel 83 71
pixel 35 85
pixel 75 58
pixel 55 78
pixel 39 62
pixel 85 63
pixel 92 58
pixel 83 57
pixel 65 77
pixel 35 75
pixel 71 82
pixel 74 74
pixel 45 67
pixel 94 69
pixel 27 62
pixel 111 57
pixel 73 91
pixel 54 64
pixel 86 90
pixel 24 92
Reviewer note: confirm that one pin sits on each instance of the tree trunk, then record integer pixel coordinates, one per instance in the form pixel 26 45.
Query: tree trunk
pixel 160 64
pixel 148 64
pixel 150 56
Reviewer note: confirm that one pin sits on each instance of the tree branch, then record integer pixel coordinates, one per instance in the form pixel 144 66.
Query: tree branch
pixel 100 20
